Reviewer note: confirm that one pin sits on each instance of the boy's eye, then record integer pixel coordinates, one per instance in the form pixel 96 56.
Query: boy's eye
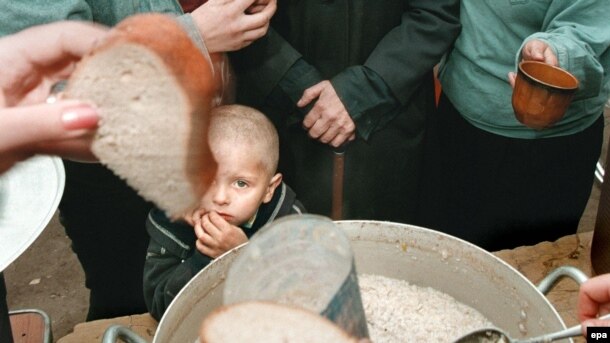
pixel 241 184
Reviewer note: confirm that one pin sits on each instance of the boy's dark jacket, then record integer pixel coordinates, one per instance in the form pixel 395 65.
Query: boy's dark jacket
pixel 172 259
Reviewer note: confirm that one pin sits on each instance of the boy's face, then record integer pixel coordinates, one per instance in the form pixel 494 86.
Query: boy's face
pixel 240 186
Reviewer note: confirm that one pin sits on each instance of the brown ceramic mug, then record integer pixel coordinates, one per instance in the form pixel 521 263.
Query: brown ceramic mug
pixel 542 94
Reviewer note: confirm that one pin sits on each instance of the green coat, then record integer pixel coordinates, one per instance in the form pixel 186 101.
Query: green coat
pixel 18 15
pixel 379 56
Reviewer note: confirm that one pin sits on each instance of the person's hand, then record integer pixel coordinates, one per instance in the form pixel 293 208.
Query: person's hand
pixel 328 120
pixel 257 6
pixel 215 235
pixel 229 25
pixel 594 301
pixel 193 216
pixel 60 129
pixel 34 60
pixel 535 50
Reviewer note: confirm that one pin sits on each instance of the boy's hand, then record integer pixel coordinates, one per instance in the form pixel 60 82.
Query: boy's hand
pixel 193 217
pixel 215 235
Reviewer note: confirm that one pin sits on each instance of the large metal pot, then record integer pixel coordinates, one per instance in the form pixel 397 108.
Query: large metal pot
pixel 421 256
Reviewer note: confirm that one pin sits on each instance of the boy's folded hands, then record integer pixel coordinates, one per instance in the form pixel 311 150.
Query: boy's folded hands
pixel 215 235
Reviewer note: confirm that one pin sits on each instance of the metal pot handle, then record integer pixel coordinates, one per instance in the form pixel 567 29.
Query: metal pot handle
pixel 557 274
pixel 123 333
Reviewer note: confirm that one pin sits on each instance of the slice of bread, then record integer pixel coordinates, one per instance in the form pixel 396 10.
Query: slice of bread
pixel 260 321
pixel 153 89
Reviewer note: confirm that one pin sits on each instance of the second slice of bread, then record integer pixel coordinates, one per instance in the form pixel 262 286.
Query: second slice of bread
pixel 260 321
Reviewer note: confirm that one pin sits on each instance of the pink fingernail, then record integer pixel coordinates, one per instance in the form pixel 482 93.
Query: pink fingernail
pixel 79 117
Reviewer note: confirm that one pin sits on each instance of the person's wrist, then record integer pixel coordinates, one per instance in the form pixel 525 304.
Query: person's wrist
pixel 201 20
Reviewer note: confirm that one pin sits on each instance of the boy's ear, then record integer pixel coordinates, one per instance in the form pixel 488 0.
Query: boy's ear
pixel 275 181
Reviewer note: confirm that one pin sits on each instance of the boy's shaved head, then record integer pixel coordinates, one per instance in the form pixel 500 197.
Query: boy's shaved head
pixel 237 124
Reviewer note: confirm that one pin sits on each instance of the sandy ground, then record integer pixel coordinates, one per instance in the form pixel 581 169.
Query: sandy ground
pixel 48 276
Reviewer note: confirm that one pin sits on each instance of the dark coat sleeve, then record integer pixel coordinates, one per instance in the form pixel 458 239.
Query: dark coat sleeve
pixel 388 78
pixel 262 65
pixel 402 57
pixel 171 262
pixel 165 275
pixel 410 51
pixel 397 65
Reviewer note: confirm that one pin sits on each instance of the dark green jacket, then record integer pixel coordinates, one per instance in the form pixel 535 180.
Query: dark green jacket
pixel 173 260
pixel 379 57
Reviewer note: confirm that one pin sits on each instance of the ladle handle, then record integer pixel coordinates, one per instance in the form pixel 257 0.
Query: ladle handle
pixel 569 332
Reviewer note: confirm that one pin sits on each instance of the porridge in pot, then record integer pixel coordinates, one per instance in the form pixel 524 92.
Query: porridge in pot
pixel 397 311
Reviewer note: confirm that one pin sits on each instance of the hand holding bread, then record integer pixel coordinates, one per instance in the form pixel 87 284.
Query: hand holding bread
pixel 153 89
pixel 40 56
pixel 35 59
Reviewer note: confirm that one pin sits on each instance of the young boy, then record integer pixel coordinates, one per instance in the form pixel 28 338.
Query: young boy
pixel 246 194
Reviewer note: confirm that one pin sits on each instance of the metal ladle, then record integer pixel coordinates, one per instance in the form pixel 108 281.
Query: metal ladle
pixel 494 335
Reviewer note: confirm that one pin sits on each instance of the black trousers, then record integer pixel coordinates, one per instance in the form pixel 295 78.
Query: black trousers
pixel 6 335
pixel 105 220
pixel 500 192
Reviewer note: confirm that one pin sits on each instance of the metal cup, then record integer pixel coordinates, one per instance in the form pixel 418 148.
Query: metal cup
pixel 305 261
